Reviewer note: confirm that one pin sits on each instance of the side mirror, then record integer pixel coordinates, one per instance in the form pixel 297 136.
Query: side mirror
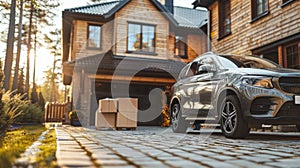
pixel 206 68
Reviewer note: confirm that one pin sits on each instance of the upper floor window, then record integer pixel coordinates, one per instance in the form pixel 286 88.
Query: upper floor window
pixel 292 55
pixel 259 8
pixel 180 46
pixel 224 18
pixel 94 36
pixel 141 38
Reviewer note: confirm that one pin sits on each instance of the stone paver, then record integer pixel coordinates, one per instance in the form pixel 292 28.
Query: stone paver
pixel 160 147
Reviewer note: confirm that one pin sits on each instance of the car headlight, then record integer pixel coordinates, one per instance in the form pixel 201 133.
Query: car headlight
pixel 263 82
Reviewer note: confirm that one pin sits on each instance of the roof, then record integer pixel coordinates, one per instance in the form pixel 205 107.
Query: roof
pixel 202 3
pixel 183 17
pixel 191 18
pixel 109 62
pixel 97 9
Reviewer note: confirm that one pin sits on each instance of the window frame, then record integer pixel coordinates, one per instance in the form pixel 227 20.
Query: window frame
pixel 184 41
pixel 254 11
pixel 222 17
pixel 88 36
pixel 285 3
pixel 285 47
pixel 140 51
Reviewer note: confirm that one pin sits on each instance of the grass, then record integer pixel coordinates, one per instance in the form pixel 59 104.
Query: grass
pixel 15 142
pixel 46 156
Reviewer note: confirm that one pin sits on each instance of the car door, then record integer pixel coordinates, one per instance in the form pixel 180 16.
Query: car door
pixel 204 83
pixel 185 87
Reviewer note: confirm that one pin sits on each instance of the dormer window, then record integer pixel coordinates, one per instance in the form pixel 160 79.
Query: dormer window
pixel 141 38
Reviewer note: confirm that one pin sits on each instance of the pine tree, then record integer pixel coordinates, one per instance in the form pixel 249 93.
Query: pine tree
pixel 41 100
pixel 2 114
pixel 21 82
pixel 10 45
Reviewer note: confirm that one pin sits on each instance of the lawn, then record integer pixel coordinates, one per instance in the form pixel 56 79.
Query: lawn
pixel 46 157
pixel 15 142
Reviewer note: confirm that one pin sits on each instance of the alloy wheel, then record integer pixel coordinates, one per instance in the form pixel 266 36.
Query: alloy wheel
pixel 175 115
pixel 229 117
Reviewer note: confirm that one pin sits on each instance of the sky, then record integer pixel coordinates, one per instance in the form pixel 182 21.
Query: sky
pixel 44 59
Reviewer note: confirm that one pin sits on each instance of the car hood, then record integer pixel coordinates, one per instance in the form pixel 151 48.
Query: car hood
pixel 275 72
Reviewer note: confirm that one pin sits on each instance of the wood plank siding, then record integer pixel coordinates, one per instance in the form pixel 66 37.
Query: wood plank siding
pixel 247 34
pixel 79 48
pixel 143 12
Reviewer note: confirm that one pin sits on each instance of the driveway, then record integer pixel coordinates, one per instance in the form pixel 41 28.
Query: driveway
pixel 160 147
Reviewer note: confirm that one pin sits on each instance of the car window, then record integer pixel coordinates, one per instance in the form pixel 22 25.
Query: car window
pixel 207 60
pixel 193 69
pixel 246 62
pixel 183 73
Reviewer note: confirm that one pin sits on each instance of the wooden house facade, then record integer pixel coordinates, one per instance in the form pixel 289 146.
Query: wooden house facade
pixel 269 28
pixel 128 48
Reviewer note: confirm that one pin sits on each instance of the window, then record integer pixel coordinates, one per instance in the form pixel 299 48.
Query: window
pixel 180 46
pixel 259 8
pixel 224 18
pixel 141 38
pixel 292 54
pixel 94 36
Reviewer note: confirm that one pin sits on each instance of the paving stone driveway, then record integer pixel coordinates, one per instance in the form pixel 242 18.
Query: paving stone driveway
pixel 159 147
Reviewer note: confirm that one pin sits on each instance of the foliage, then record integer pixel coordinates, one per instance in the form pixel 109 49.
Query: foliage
pixel 46 156
pixel 51 89
pixel 13 107
pixel 21 82
pixel 32 113
pixel 166 116
pixel 41 100
pixel 16 142
pixel 2 114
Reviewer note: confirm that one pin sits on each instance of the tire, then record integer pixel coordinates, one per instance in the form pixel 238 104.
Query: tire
pixel 233 124
pixel 179 124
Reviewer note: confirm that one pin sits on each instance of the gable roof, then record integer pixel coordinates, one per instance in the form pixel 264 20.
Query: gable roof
pixel 97 9
pixel 182 17
pixel 190 18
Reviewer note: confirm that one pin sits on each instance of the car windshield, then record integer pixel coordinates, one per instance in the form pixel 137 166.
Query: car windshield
pixel 246 62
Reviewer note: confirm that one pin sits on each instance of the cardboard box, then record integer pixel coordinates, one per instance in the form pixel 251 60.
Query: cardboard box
pixel 108 105
pixel 128 104
pixel 126 120
pixel 105 120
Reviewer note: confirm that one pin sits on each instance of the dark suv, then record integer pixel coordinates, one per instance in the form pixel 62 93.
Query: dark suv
pixel 238 92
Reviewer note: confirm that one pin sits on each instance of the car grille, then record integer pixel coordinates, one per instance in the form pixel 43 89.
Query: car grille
pixel 290 84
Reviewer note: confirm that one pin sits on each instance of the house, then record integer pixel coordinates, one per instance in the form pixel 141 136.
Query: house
pixel 269 28
pixel 128 48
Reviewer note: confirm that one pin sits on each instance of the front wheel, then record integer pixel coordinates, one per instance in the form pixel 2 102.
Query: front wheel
pixel 179 124
pixel 233 124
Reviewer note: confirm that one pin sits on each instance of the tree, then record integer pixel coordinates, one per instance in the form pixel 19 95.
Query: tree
pixel 16 70
pixel 21 82
pixel 50 89
pixel 2 114
pixel 41 99
pixel 10 45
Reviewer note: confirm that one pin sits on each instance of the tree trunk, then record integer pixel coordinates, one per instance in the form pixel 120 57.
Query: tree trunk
pixel 16 71
pixel 28 51
pixel 10 45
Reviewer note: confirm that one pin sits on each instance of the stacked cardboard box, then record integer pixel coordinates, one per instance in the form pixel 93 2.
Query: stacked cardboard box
pixel 106 115
pixel 117 113
pixel 127 113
